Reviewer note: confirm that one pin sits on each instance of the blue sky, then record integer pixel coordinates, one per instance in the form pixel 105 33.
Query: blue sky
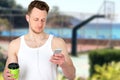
pixel 87 6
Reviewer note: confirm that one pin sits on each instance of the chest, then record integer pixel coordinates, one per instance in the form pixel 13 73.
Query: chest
pixel 35 43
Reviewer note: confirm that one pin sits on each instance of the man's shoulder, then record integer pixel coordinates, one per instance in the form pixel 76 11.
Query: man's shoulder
pixel 58 40
pixel 58 43
pixel 15 42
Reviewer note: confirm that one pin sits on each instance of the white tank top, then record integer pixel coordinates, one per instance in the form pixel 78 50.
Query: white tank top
pixel 35 62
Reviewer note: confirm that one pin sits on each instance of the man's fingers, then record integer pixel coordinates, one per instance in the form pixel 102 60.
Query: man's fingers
pixel 58 59
pixel 7 75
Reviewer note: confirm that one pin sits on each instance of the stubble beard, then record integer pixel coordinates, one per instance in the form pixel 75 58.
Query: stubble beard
pixel 36 31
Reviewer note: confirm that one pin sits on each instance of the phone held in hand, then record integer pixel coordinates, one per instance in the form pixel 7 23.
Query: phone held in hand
pixel 57 51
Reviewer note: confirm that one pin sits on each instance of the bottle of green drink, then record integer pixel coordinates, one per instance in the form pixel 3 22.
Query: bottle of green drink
pixel 14 69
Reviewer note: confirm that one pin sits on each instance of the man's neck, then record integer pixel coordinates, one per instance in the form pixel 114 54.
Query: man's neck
pixel 36 40
pixel 36 36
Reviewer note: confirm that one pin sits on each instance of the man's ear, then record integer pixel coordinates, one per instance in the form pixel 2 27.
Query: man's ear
pixel 27 17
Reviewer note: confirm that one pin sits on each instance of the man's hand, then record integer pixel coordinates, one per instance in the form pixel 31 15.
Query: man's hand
pixel 7 75
pixel 58 59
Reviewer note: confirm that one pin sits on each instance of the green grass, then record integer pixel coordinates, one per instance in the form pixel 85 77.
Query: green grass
pixel 60 77
pixel 1 76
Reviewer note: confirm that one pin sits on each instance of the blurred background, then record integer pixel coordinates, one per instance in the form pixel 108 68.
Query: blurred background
pixel 85 25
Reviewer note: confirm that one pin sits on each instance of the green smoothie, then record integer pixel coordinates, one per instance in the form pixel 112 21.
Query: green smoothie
pixel 14 69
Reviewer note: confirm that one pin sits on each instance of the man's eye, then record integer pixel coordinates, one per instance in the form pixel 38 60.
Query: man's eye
pixel 35 19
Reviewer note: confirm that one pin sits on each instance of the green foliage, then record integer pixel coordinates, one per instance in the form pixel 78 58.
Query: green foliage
pixel 55 10
pixel 1 77
pixel 102 56
pixel 1 66
pixel 5 24
pixel 13 12
pixel 2 60
pixel 8 3
pixel 107 72
pixel 60 77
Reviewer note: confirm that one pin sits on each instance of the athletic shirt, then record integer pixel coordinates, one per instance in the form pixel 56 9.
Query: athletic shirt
pixel 35 62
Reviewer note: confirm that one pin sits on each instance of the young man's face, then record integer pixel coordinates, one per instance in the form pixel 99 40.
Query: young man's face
pixel 37 20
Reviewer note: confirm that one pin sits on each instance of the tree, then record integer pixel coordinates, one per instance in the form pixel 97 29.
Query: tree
pixel 55 10
pixel 13 12
pixel 5 24
pixel 8 4
pixel 58 19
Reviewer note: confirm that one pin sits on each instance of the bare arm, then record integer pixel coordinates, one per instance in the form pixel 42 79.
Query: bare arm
pixel 12 57
pixel 63 59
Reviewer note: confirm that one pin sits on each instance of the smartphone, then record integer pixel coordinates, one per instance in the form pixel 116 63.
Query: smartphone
pixel 57 51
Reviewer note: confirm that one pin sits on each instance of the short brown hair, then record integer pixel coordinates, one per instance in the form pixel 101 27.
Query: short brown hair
pixel 38 4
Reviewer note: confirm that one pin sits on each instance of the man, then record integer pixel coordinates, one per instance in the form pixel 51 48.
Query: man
pixel 34 51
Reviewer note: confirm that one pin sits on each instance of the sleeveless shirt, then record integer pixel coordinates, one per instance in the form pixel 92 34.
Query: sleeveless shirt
pixel 35 62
